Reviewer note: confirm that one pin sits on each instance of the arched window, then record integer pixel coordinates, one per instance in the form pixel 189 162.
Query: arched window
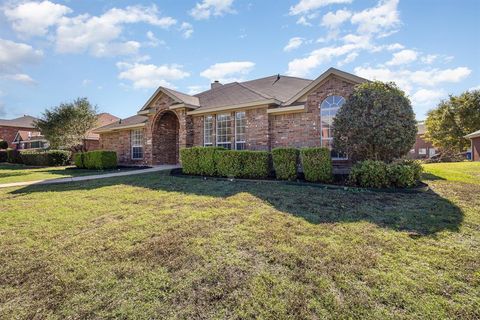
pixel 328 110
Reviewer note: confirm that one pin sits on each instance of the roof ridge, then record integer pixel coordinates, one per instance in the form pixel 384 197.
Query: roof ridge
pixel 276 75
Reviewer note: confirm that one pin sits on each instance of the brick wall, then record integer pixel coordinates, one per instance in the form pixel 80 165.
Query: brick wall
pixel 420 143
pixel 120 142
pixel 476 149
pixel 8 134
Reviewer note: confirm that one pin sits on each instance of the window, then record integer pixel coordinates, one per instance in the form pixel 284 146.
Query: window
pixel 240 130
pixel 36 144
pixel 328 110
pixel 208 131
pixel 422 151
pixel 137 144
pixel 224 131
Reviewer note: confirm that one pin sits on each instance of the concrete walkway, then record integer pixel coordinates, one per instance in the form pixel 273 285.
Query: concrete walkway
pixel 92 177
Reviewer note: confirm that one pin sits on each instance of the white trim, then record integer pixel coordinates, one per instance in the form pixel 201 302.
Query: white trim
pixel 284 110
pixel 212 129
pixel 132 133
pixel 235 124
pixel 321 124
pixel 475 134
pixel 132 126
pixel 255 104
pixel 219 144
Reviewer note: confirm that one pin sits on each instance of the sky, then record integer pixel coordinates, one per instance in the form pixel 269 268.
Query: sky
pixel 116 53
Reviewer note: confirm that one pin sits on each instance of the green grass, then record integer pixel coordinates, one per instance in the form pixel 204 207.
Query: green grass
pixel 468 172
pixel 161 247
pixel 20 173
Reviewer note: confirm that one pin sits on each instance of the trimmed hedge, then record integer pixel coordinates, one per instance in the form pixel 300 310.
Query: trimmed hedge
pixel 243 164
pixel 3 156
pixel 214 161
pixel 98 159
pixel 317 164
pixel 13 156
pixel 285 163
pixel 3 144
pixel 46 158
pixel 378 174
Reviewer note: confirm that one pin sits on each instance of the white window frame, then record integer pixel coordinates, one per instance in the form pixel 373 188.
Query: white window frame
pixel 244 130
pixel 422 151
pixel 330 125
pixel 212 128
pixel 217 128
pixel 135 144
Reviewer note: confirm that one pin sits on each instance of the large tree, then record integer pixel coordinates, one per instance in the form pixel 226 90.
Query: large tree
pixel 375 123
pixel 451 120
pixel 66 125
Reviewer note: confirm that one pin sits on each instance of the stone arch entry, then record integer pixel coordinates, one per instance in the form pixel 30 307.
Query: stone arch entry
pixel 165 139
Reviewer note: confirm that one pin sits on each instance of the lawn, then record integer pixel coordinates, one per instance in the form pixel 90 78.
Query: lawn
pixel 19 172
pixel 460 171
pixel 161 247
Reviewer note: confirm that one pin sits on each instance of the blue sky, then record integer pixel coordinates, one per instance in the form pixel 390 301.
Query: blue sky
pixel 117 53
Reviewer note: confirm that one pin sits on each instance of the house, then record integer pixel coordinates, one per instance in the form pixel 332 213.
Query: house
pixel 260 114
pixel 20 132
pixel 475 140
pixel 422 149
pixel 92 139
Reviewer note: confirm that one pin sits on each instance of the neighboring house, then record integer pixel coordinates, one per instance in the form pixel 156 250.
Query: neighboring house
pixel 18 131
pixel 92 140
pixel 261 114
pixel 422 149
pixel 475 140
pixel 29 140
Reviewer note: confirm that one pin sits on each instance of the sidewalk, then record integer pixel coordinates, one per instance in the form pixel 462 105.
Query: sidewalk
pixel 92 177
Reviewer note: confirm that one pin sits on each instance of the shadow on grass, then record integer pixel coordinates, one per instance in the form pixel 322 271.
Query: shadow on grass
pixel 420 214
pixel 431 177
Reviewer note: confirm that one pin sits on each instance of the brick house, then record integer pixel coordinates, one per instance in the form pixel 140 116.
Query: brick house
pixel 422 149
pixel 261 114
pixel 475 140
pixel 20 133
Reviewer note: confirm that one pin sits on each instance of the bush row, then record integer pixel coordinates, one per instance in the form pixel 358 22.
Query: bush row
pixel 45 158
pixel 3 156
pixel 98 159
pixel 378 174
pixel 209 161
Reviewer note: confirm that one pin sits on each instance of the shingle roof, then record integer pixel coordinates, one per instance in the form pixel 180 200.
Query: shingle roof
pixel 278 87
pixel 183 97
pixel 130 121
pixel 23 122
pixel 28 135
pixel 103 119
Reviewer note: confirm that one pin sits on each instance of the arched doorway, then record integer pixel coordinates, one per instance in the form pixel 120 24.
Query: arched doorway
pixel 165 139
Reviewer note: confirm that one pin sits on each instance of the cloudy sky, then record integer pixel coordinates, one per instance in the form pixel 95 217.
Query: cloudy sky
pixel 117 53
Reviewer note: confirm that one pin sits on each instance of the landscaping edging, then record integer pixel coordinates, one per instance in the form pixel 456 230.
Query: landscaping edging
pixel 419 189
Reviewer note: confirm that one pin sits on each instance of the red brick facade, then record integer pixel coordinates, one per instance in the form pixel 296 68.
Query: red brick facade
pixel 8 134
pixel 167 130
pixel 422 149
pixel 475 149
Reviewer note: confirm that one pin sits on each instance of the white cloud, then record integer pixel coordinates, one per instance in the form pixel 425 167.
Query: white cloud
pixel 145 76
pixel 196 89
pixel 381 19
pixel 293 44
pixel 334 20
pixel 20 77
pixel 186 29
pixel 403 57
pixel 350 58
pixel 228 71
pixel 427 97
pixel 34 18
pixel 98 34
pixel 395 46
pixel 305 6
pixel 13 57
pixel 207 8
pixel 407 79
pixel 429 58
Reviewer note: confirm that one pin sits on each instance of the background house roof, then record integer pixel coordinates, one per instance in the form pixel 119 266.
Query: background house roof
pixel 25 121
pixel 421 128
pixel 103 119
pixel 475 134
pixel 121 123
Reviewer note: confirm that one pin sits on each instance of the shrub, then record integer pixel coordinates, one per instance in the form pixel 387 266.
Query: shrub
pixel 78 160
pixel 415 165
pixel 190 160
pixel 207 158
pixel 3 156
pixel 3 144
pixel 369 174
pixel 45 158
pixel 285 163
pixel 317 164
pixel 58 157
pixel 243 164
pixel 100 159
pixel 13 156
pixel 400 175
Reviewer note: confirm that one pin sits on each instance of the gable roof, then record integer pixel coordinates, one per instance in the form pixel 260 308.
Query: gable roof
pixel 178 97
pixel 130 122
pixel 331 71
pixel 24 135
pixel 25 121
